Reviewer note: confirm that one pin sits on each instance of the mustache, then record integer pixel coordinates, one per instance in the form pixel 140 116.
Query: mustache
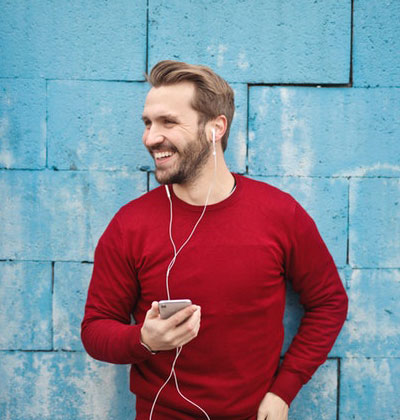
pixel 162 148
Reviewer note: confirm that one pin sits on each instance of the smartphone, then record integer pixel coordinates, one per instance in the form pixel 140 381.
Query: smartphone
pixel 170 307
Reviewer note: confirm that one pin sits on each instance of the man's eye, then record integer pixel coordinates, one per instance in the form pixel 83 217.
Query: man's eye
pixel 169 122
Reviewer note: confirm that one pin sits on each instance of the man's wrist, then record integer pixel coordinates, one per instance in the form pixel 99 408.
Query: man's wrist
pixel 148 348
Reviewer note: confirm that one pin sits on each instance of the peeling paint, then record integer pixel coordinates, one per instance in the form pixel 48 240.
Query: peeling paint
pixel 296 149
pixel 6 156
pixel 242 62
pixel 218 51
pixel 363 171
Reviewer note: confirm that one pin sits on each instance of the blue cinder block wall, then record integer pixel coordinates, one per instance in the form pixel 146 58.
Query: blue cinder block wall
pixel 318 115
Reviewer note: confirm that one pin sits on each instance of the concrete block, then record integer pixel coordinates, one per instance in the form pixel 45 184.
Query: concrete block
pixel 63 385
pixel 109 191
pixel 317 399
pixel 324 132
pixel 71 281
pixel 374 225
pixel 44 216
pixel 326 200
pixel 369 388
pixel 49 39
pixel 373 324
pixel 26 313
pixel 258 41
pixel 376 43
pixel 96 125
pixel 59 215
pixel 22 123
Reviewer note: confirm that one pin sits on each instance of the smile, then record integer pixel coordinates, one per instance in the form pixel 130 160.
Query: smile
pixel 162 155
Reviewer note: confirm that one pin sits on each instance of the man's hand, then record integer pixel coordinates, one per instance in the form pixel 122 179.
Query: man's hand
pixel 168 334
pixel 272 407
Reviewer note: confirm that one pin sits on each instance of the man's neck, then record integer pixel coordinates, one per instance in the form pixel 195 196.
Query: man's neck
pixel 196 191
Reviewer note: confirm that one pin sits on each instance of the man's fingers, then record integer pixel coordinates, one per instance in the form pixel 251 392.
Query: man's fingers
pixel 153 312
pixel 187 330
pixel 182 315
pixel 190 326
pixel 272 407
pixel 175 331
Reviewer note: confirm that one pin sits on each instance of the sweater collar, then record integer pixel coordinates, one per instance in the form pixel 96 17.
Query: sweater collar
pixel 232 198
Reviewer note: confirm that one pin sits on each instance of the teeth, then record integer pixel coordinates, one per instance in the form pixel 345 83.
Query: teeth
pixel 160 155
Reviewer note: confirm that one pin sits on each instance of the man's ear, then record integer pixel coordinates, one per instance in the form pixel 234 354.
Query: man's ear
pixel 219 124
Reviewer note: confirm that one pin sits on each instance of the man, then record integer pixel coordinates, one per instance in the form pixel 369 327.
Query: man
pixel 224 241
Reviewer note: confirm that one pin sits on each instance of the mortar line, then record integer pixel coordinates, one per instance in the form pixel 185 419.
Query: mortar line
pixel 351 43
pixel 85 80
pixel 52 305
pixel 147 38
pixel 54 169
pixel 26 169
pixel 316 85
pixel 46 261
pixel 268 84
pixel 260 174
pixel 338 389
pixel 46 125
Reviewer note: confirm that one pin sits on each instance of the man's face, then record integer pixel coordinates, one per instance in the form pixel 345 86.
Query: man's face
pixel 172 134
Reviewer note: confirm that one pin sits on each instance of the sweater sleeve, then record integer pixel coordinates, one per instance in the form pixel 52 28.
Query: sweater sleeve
pixel 312 271
pixel 106 330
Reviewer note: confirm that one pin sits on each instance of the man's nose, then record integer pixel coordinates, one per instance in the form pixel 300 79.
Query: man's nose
pixel 152 137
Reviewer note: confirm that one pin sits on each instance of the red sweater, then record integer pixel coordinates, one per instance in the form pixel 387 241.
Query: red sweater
pixel 235 267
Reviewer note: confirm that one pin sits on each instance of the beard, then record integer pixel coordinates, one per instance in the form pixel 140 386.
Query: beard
pixel 191 159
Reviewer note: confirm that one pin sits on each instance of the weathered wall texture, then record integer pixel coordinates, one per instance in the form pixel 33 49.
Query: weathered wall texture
pixel 318 105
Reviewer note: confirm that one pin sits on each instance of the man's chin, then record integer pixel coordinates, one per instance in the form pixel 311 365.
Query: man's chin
pixel 164 178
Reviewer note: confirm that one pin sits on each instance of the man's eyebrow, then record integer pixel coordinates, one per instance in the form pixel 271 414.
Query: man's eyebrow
pixel 161 116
